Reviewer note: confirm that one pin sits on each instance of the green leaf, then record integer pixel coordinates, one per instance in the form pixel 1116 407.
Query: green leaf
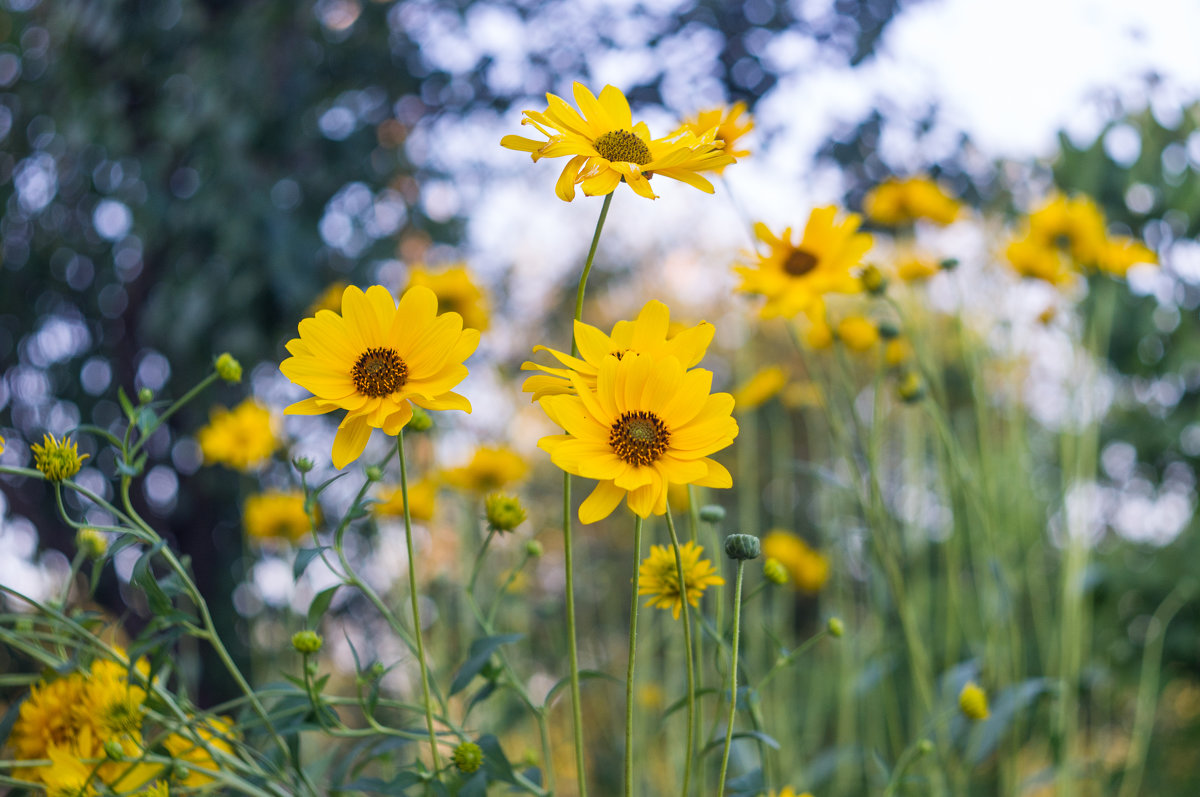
pixel 759 736
pixel 681 702
pixel 146 419
pixel 320 603
pixel 584 675
pixel 497 763
pixel 126 404
pixel 476 786
pixel 304 558
pixel 143 576
pixel 480 651
pixel 92 429
pixel 1004 710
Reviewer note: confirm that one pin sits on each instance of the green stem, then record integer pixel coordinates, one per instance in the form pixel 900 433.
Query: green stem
pixel 161 419
pixel 587 268
pixel 416 607
pixel 691 664
pixel 733 669
pixel 633 621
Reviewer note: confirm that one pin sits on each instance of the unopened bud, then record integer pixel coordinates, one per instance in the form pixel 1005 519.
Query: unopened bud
pixel 888 330
pixel 145 395
pixel 113 750
pixel 949 264
pixel 91 542
pixel 742 547
pixel 924 747
pixel 774 571
pixel 910 390
pixel 307 642
pixel 836 627
pixel 712 513
pixel 374 473
pixel 468 757
pixel 873 281
pixel 303 464
pixel 533 549
pixel 421 420
pixel 504 512
pixel 228 368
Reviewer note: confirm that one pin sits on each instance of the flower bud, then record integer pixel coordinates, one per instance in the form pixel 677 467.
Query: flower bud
pixel 58 460
pixel 774 571
pixel 712 513
pixel 228 368
pixel 421 420
pixel 973 702
pixel 504 512
pixel 742 546
pixel 949 264
pixel 873 281
pixel 377 670
pixel 468 757
pixel 303 464
pixel 910 390
pixel 533 549
pixel 113 750
pixel 888 330
pixel 145 395
pixel 307 642
pixel 374 473
pixel 925 747
pixel 91 542
pixel 836 627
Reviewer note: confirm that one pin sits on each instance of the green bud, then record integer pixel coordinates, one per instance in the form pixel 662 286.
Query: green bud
pixel 924 747
pixel 113 750
pixel 949 264
pixel 91 542
pixel 873 281
pixel 421 420
pixel 910 390
pixel 888 330
pixel 145 395
pixel 374 473
pixel 774 571
pixel 504 512
pixel 377 670
pixel 533 549
pixel 712 513
pixel 303 464
pixel 307 642
pixel 742 547
pixel 836 627
pixel 468 757
pixel 228 368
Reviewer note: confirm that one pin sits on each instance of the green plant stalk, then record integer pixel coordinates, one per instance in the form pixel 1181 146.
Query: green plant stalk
pixel 416 607
pixel 691 664
pixel 633 626
pixel 568 548
pixel 184 399
pixel 733 670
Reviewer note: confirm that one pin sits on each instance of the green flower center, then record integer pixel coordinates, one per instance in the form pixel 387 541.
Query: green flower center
pixel 799 262
pixel 379 372
pixel 639 438
pixel 623 146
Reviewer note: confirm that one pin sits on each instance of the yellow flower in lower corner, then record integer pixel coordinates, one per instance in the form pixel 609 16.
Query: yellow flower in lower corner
pixel 807 569
pixel 58 460
pixel 376 360
pixel 647 424
pixel 457 292
pixel 658 577
pixel 422 501
pixel 243 438
pixel 795 276
pixel 191 747
pixel 490 468
pixel 276 515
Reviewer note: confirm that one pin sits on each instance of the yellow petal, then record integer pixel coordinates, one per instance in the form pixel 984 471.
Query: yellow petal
pixel 351 439
pixel 601 503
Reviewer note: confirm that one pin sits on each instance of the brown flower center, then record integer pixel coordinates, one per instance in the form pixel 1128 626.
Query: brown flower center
pixel 639 438
pixel 379 372
pixel 624 146
pixel 799 262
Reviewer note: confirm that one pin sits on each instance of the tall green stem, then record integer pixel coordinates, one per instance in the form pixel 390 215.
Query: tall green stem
pixel 633 622
pixel 416 607
pixel 733 669
pixel 691 664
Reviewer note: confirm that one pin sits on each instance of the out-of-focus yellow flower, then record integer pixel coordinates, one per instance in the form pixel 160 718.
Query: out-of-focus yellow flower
pixel 973 702
pixel 649 423
pixel 857 333
pixel 276 515
pixel 491 468
pixel 658 578
pixel 732 123
pixel 896 202
pixel 897 352
pixel 802 394
pixel 58 460
pixel 503 512
pixel 330 299
pixel 1074 226
pixel 794 277
pixel 457 292
pixel 677 494
pixel 1029 258
pixel 422 501
pixel 1120 252
pixel 916 269
pixel 807 568
pixel 788 791
pixel 1 444
pixel 648 334
pixel 243 438
pixel 376 360
pixel 651 697
pixel 183 746
pixel 759 389
pixel 607 148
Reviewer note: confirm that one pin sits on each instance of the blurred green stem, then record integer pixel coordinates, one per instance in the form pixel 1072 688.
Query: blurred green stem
pixel 691 664
pixel 633 624
pixel 733 669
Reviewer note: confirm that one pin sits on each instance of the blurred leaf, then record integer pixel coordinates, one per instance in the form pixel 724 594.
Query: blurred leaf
pixel 304 557
pixel 320 603
pixel 477 656
pixel 584 675
pixel 1004 710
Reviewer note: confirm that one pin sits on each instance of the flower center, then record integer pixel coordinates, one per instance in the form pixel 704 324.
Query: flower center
pixel 799 262
pixel 624 146
pixel 379 372
pixel 639 438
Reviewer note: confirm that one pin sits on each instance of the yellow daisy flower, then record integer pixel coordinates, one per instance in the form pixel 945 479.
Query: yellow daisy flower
pixel 794 276
pixel 648 423
pixel 658 578
pixel 807 569
pixel 216 732
pixel 374 359
pixel 1030 258
pixel 490 468
pixel 422 501
pixel 916 269
pixel 649 334
pixel 58 460
pixel 857 333
pixel 243 438
pixel 1074 226
pixel 457 292
pixel 1120 252
pixel 606 147
pixel 759 389
pixel 897 202
pixel 732 123
pixel 276 515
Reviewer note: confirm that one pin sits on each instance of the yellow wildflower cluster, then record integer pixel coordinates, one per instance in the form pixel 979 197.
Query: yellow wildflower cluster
pixel 243 438
pixel 808 570
pixel 659 578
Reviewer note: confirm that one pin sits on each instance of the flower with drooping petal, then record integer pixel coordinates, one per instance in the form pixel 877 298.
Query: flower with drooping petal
pixel 648 334
pixel 732 123
pixel 795 276
pixel 606 147
pixel 658 578
pixel 648 423
pixel 375 360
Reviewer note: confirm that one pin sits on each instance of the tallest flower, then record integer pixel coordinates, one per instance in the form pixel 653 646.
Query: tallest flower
pixel 606 147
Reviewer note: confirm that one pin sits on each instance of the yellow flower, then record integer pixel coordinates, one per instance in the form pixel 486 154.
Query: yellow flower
pixel 1119 253
pixel 57 460
pixel 608 148
pixel 374 359
pixel 490 469
pixel 1032 259
pixel 648 423
pixel 802 394
pixel 1 444
pixel 422 501
pixel 330 299
pixel 795 276
pixel 658 578
pixel 216 732
pixel 67 775
pixel 649 334
pixel 457 292
pixel 857 333
pixel 759 389
pixel 916 269
pixel 973 702
pixel 731 125
pixel 276 515
pixel 1073 226
pixel 243 438
pixel 503 512
pixel 897 352
pixel 808 569
pixel 897 202
pixel 788 791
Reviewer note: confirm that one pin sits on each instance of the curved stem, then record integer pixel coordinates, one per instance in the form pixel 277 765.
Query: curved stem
pixel 416 608
pixel 733 669
pixel 633 622
pixel 691 664
pixel 587 268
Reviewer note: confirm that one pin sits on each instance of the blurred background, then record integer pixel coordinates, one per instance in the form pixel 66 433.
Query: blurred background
pixel 180 178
